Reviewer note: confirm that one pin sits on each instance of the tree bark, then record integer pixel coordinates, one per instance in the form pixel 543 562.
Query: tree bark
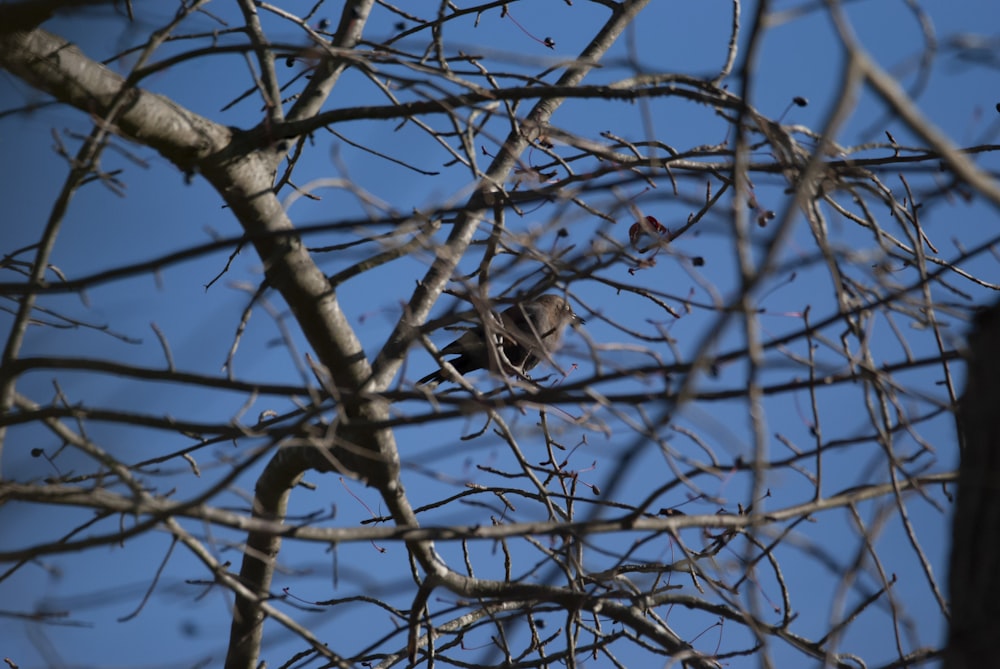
pixel 974 636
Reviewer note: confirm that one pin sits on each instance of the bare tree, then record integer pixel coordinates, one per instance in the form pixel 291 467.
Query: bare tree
pixel 746 455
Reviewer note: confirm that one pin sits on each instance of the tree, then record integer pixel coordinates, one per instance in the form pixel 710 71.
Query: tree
pixel 745 456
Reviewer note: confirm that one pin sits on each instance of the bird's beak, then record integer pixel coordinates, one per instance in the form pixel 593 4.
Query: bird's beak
pixel 577 321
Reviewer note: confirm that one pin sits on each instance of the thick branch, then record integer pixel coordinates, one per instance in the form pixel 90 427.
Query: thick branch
pixel 57 67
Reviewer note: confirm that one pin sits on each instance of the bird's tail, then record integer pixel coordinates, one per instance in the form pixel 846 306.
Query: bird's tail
pixel 433 378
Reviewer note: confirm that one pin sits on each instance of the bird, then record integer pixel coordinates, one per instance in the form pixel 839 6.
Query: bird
pixel 526 333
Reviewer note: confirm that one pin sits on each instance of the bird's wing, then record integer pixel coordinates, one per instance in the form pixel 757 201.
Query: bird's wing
pixel 470 343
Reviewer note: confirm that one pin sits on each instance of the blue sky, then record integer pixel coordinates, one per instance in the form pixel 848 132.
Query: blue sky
pixel 161 213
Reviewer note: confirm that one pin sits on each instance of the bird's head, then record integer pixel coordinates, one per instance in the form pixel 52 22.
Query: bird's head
pixel 562 309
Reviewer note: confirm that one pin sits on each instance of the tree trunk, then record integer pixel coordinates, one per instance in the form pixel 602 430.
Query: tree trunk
pixel 975 555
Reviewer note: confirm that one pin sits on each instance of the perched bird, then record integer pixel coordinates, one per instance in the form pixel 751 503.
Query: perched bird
pixel 526 333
